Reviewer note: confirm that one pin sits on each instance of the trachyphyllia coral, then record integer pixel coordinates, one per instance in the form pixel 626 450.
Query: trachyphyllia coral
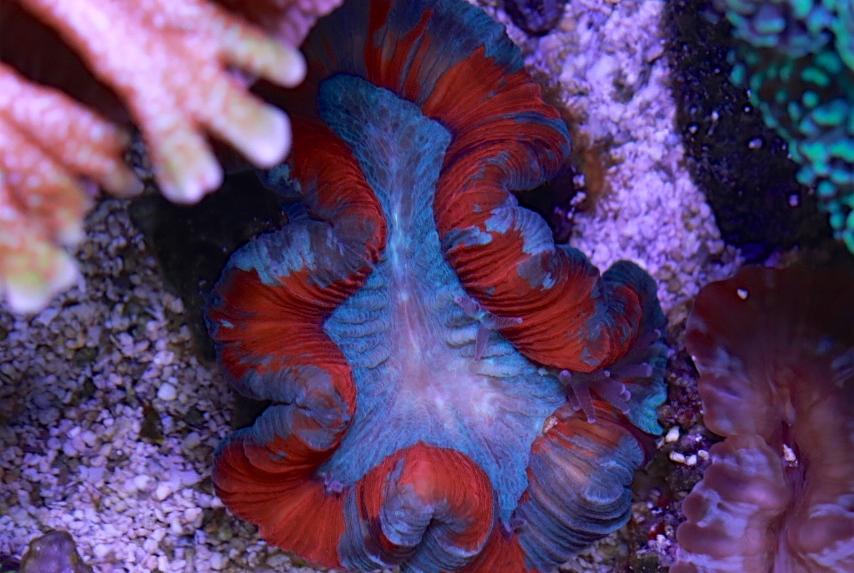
pixel 775 350
pixel 167 61
pixel 449 390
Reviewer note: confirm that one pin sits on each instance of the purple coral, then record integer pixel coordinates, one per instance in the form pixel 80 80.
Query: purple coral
pixel 775 350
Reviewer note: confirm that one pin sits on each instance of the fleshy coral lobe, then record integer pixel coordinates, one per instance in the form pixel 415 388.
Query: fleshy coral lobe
pixel 775 351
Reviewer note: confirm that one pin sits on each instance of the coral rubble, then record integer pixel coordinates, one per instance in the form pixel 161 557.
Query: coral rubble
pixel 537 17
pixel 53 552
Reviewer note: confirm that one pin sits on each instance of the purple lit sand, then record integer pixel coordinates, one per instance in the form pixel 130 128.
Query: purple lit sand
pixel 109 416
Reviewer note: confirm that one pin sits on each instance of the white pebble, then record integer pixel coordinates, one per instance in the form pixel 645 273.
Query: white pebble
pixel 101 550
pixel 167 392
pixel 277 560
pixel 89 438
pixel 691 460
pixel 163 491
pixel 191 514
pixel 217 561
pixel 789 454
pixel 164 358
pixel 141 482
pixel 677 457
pixel 186 478
pixel 672 435
pixel 192 440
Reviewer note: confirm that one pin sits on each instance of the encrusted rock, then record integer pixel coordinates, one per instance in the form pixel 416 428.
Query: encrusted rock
pixel 53 552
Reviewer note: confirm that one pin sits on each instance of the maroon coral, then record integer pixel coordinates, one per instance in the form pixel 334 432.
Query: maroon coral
pixel 775 350
pixel 164 63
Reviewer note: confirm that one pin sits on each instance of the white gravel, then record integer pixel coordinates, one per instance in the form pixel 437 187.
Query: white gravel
pixel 108 422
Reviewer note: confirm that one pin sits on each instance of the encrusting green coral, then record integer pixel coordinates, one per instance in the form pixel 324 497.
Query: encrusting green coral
pixel 796 57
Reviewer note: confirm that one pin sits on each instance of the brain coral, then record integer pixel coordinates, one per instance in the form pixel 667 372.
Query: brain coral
pixel 448 389
pixel 797 59
pixel 775 351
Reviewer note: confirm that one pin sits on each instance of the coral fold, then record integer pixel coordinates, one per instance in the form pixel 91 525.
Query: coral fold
pixel 775 350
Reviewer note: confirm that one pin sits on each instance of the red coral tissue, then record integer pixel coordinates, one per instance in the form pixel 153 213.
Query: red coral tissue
pixel 775 350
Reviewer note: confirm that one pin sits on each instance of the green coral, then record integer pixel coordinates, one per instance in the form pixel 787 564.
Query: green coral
pixel 796 57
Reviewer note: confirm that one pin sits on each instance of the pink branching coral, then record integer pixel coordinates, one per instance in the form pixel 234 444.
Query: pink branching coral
pixel 167 62
pixel 41 203
pixel 775 350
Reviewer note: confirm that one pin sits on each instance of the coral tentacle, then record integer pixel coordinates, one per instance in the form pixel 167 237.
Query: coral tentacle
pixel 179 69
pixel 287 20
pixel 152 77
pixel 42 204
